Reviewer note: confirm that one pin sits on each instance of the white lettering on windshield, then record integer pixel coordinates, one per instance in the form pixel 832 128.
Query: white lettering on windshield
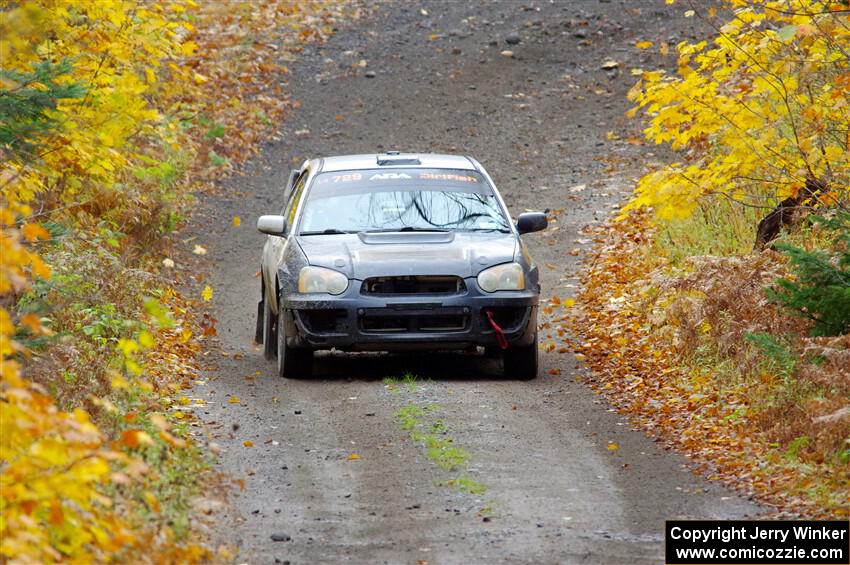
pixel 389 176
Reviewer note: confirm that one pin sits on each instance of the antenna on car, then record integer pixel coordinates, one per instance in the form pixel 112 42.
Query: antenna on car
pixel 398 158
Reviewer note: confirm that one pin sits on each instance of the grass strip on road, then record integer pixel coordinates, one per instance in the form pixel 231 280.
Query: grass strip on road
pixel 425 428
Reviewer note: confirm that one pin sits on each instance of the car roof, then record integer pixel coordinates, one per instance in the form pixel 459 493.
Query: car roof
pixel 394 159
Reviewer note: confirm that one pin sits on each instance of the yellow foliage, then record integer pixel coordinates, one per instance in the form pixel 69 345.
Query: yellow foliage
pixel 755 114
pixel 54 463
pixel 139 98
pixel 115 45
pixel 16 260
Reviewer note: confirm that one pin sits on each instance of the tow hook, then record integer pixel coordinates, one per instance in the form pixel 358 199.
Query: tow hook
pixel 500 334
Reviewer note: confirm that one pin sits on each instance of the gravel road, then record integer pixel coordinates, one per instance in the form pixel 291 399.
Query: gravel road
pixel 436 80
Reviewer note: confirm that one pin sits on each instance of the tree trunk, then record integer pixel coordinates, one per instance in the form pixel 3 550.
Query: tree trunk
pixel 786 213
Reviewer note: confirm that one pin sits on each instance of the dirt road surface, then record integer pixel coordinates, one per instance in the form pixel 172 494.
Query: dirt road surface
pixel 436 80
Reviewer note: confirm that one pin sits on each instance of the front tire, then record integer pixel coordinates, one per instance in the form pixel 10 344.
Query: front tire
pixel 292 363
pixel 269 331
pixel 521 362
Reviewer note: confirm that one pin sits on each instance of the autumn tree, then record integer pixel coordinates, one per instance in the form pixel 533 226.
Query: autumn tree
pixel 759 115
pixel 73 116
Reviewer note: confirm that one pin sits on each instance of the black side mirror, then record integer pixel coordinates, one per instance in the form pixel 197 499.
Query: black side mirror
pixel 531 221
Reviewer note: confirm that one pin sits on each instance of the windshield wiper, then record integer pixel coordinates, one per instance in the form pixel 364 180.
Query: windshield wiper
pixel 329 231
pixel 500 230
pixel 406 229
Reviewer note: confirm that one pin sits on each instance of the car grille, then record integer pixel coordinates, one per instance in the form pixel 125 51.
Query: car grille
pixel 325 321
pixel 414 324
pixel 389 320
pixel 442 285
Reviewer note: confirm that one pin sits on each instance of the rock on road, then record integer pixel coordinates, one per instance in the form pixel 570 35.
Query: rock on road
pixel 529 89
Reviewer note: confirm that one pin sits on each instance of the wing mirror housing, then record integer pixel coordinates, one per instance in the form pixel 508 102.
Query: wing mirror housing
pixel 271 225
pixel 531 222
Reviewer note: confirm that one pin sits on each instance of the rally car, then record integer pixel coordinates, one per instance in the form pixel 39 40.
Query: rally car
pixel 396 252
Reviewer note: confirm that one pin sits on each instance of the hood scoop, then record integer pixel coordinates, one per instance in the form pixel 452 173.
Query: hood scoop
pixel 407 238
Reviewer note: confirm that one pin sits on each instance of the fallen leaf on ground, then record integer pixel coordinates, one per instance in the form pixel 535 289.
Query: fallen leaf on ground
pixel 135 438
pixel 34 232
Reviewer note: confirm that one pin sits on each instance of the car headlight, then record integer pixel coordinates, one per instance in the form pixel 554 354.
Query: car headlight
pixel 508 276
pixel 319 279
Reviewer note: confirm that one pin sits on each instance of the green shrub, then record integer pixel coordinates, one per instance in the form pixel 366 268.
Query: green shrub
pixel 777 353
pixel 26 108
pixel 820 290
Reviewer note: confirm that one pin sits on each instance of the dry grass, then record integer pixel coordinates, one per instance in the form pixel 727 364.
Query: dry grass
pixel 694 352
pixel 91 300
pixel 797 385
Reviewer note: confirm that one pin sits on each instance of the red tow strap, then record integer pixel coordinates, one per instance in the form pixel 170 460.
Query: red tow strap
pixel 500 335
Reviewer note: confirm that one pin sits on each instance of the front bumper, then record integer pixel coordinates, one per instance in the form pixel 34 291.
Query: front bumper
pixel 355 321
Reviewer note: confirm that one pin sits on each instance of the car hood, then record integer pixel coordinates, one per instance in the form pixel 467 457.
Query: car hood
pixel 360 256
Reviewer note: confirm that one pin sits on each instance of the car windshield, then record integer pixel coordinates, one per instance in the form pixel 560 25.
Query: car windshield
pixel 401 200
